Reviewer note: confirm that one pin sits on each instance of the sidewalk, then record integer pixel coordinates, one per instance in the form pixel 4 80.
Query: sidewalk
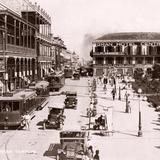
pixel 124 144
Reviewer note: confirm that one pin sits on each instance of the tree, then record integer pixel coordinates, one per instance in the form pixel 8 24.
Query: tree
pixel 138 73
pixel 156 71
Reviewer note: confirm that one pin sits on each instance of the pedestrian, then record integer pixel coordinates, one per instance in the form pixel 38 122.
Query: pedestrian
pixel 96 156
pixel 105 88
pixel 61 156
pixel 129 106
pixel 105 80
pixel 100 79
pixel 113 93
pixel 100 120
pixel 90 153
pixel 27 119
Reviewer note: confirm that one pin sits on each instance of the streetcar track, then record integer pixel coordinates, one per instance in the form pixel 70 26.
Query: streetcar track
pixel 7 141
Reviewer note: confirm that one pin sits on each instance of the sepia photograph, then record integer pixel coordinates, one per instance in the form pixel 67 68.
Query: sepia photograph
pixel 79 80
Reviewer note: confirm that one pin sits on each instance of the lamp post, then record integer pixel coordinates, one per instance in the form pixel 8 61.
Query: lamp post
pixel 127 109
pixel 139 118
pixel 119 98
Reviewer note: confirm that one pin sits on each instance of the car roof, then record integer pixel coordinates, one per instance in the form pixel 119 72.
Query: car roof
pixel 55 105
pixel 71 92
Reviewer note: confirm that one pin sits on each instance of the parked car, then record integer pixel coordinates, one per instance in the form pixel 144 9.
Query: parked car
pixel 71 100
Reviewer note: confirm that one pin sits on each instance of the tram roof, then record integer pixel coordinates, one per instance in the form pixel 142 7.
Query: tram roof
pixel 53 104
pixel 73 134
pixel 24 94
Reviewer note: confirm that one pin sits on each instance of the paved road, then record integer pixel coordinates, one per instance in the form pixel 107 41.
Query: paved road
pixel 122 145
pixel 32 145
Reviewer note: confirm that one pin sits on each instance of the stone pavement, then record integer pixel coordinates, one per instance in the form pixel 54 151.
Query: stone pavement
pixel 124 144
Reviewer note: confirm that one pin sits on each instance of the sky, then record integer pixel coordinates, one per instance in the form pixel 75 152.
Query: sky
pixel 78 22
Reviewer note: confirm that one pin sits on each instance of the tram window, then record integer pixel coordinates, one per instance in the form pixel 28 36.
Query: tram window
pixel 6 107
pixel 15 106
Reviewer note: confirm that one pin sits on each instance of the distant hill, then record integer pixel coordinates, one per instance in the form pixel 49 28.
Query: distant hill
pixel 131 36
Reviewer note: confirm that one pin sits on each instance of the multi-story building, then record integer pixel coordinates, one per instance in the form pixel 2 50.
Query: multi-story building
pixel 67 58
pixel 58 49
pixel 75 61
pixel 17 50
pixel 123 52
pixel 42 21
pixel 25 43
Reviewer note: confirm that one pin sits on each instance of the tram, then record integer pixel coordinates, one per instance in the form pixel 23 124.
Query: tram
pixel 56 81
pixel 14 105
pixel 68 72
pixel 42 91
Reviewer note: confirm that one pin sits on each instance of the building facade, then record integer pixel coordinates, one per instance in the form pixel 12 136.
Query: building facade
pixel 25 44
pixel 42 21
pixel 58 50
pixel 123 52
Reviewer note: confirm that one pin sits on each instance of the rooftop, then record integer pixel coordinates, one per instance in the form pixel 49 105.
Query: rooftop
pixel 131 36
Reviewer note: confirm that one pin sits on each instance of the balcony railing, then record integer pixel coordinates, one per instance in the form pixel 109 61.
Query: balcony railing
pixel 44 37
pixel 37 8
pixel 108 53
pixel 122 65
pixel 19 51
pixel 44 58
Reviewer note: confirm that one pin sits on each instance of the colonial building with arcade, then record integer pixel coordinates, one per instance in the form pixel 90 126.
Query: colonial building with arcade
pixel 123 52
pixel 25 44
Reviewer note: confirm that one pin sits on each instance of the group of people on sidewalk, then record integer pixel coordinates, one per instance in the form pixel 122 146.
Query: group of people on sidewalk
pixel 91 155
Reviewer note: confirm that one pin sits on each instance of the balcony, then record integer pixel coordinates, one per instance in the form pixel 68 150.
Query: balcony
pixel 36 8
pixel 44 58
pixel 43 37
pixel 108 53
pixel 113 65
pixel 18 51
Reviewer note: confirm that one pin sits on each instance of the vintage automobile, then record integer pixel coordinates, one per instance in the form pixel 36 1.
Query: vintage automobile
pixel 73 145
pixel 76 75
pixel 71 100
pixel 55 117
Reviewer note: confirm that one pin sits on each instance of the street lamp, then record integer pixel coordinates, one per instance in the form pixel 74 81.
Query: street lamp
pixel 127 107
pixel 119 98
pixel 139 119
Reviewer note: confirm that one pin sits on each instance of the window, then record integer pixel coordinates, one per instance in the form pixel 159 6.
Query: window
pixel 15 106
pixel 99 49
pixel 6 107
